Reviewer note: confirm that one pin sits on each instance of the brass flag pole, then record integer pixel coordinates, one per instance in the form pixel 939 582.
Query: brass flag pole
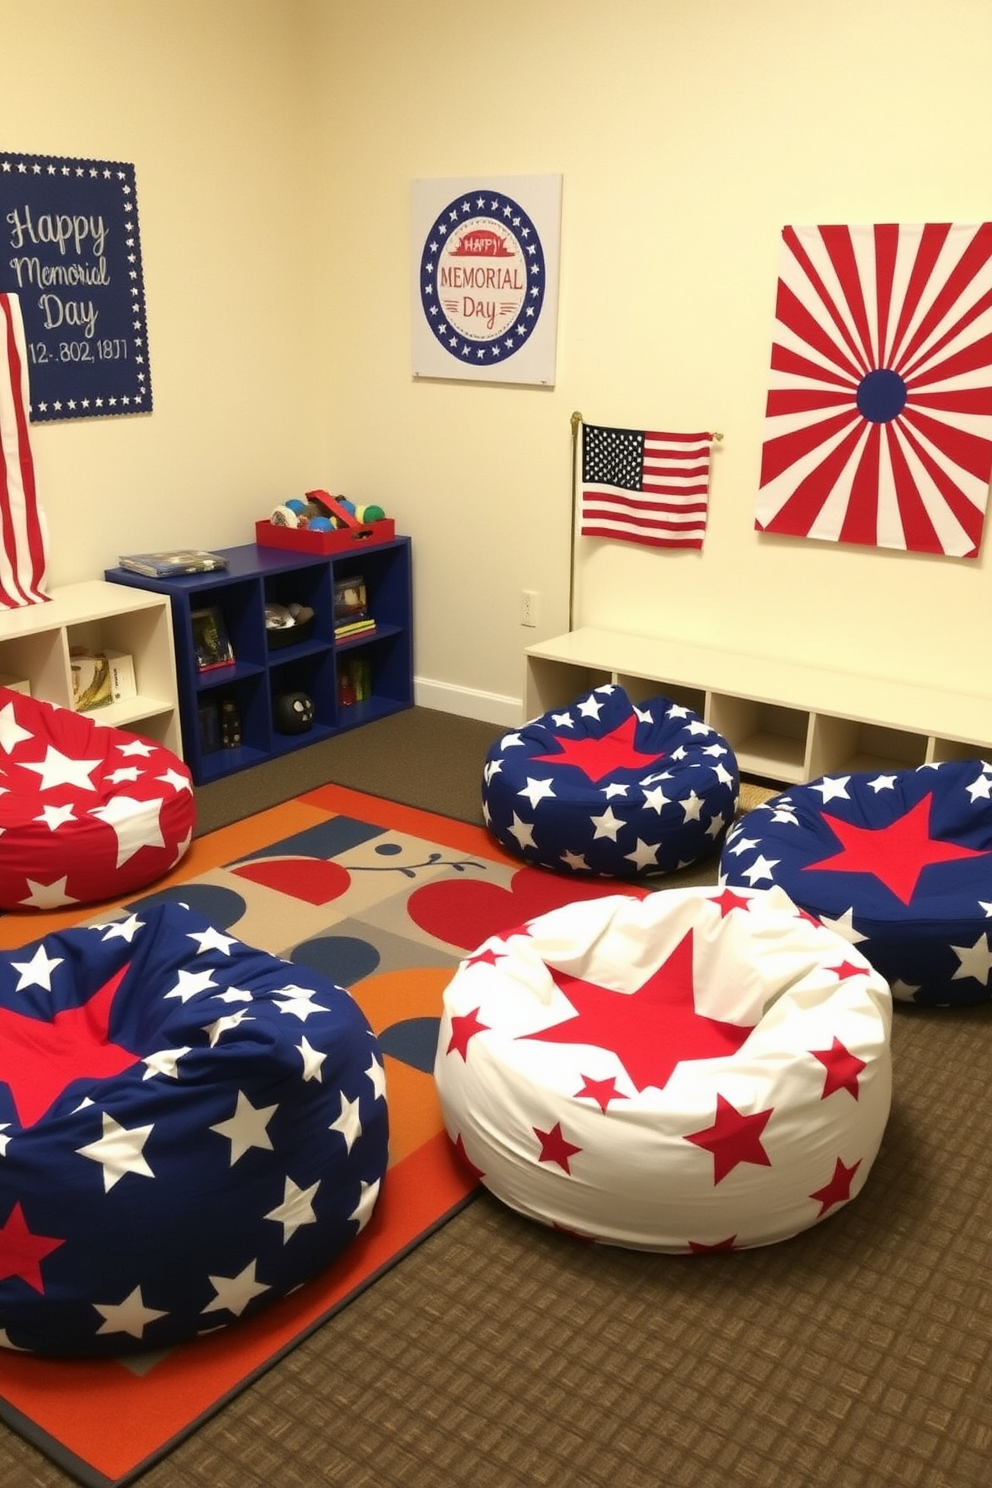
pixel 576 425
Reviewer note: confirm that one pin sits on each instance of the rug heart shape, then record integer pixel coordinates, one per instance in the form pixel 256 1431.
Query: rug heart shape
pixel 467 912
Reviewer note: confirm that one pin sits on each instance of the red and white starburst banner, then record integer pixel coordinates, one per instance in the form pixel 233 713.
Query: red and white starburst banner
pixel 878 424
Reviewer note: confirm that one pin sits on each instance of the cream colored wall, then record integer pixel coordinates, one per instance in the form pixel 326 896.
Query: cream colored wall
pixel 205 98
pixel 275 142
pixel 687 136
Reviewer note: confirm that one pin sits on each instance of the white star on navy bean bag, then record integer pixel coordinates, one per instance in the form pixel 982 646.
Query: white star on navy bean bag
pixel 697 1070
pixel 189 1129
pixel 611 787
pixel 87 811
pixel 899 862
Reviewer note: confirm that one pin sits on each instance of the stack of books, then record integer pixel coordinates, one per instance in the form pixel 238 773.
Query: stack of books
pixel 351 612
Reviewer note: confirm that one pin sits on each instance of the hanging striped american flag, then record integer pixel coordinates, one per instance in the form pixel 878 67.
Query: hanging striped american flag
pixel 645 487
pixel 23 532
pixel 878 425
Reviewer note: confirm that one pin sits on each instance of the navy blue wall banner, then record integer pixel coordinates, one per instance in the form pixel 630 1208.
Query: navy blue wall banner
pixel 71 251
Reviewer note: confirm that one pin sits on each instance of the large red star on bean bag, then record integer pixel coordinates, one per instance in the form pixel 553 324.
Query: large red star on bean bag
pixel 597 758
pixel 897 854
pixel 651 1030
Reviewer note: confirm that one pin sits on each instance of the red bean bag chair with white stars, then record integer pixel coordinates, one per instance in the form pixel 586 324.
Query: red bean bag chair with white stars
pixel 899 862
pixel 190 1128
pixel 87 811
pixel 701 1069
pixel 611 787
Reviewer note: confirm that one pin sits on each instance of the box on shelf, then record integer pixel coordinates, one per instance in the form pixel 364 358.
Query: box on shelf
pixel 100 677
pixel 340 540
pixel 15 684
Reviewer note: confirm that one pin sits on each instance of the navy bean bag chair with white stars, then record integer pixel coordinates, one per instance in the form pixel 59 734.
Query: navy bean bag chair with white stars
pixel 698 1070
pixel 87 811
pixel 899 862
pixel 189 1129
pixel 610 787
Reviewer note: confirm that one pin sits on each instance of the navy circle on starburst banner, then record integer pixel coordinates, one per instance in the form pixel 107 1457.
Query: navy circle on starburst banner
pixel 482 278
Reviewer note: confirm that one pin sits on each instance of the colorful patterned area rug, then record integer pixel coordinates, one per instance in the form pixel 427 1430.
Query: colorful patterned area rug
pixel 384 900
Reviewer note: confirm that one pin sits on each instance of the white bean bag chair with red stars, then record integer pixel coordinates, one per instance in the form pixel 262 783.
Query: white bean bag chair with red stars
pixel 87 811
pixel 191 1128
pixel 900 862
pixel 611 787
pixel 697 1070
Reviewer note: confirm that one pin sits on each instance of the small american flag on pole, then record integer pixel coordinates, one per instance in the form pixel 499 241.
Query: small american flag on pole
pixel 23 532
pixel 645 487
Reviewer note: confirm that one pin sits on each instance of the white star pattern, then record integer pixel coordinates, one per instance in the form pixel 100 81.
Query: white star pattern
pixel 47 896
pixel 38 971
pixel 537 790
pixel 119 1151
pixel 247 1127
pixel 295 1210
pixel 760 869
pixel 974 961
pixel 607 825
pixel 58 769
pixel 833 788
pixel 312 1060
pixel 136 823
pixel 11 733
pixel 298 1001
pixel 362 1212
pixel 130 1316
pixel 522 831
pixel 348 1124
pixel 233 1293
pixel 191 983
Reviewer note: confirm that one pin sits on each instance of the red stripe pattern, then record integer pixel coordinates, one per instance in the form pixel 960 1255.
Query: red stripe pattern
pixel 645 487
pixel 23 533
pixel 878 424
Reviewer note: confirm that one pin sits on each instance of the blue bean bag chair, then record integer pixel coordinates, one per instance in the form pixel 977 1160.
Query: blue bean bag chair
pixel 189 1129
pixel 900 862
pixel 610 787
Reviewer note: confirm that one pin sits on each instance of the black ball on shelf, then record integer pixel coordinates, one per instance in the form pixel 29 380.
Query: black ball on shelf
pixel 293 712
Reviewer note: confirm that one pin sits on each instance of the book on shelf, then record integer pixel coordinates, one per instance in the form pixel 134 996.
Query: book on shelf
pixel 345 631
pixel 170 563
pixel 350 600
pixel 211 642
pixel 354 680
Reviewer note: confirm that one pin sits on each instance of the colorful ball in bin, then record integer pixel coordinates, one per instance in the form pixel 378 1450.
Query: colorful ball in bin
pixel 369 513
pixel 320 524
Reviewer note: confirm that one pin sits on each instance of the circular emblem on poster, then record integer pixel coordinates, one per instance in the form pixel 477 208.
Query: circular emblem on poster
pixel 482 278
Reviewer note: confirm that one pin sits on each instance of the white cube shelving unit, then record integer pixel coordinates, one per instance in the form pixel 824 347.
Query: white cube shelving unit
pixel 36 641
pixel 786 722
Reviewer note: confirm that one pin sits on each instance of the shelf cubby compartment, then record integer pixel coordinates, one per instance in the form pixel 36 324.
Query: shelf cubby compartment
pixel 310 673
pixel 36 641
pixel 553 684
pixel 640 689
pixel 957 749
pixel 848 745
pixel 769 739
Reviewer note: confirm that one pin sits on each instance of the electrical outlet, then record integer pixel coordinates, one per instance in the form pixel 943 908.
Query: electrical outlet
pixel 528 607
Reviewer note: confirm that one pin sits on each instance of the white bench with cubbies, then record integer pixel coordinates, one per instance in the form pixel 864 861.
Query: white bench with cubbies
pixel 786 722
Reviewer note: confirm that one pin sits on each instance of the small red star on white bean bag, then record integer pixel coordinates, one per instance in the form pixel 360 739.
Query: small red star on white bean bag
pixel 698 1070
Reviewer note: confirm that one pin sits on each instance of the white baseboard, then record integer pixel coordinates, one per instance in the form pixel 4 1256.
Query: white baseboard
pixel 466 702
